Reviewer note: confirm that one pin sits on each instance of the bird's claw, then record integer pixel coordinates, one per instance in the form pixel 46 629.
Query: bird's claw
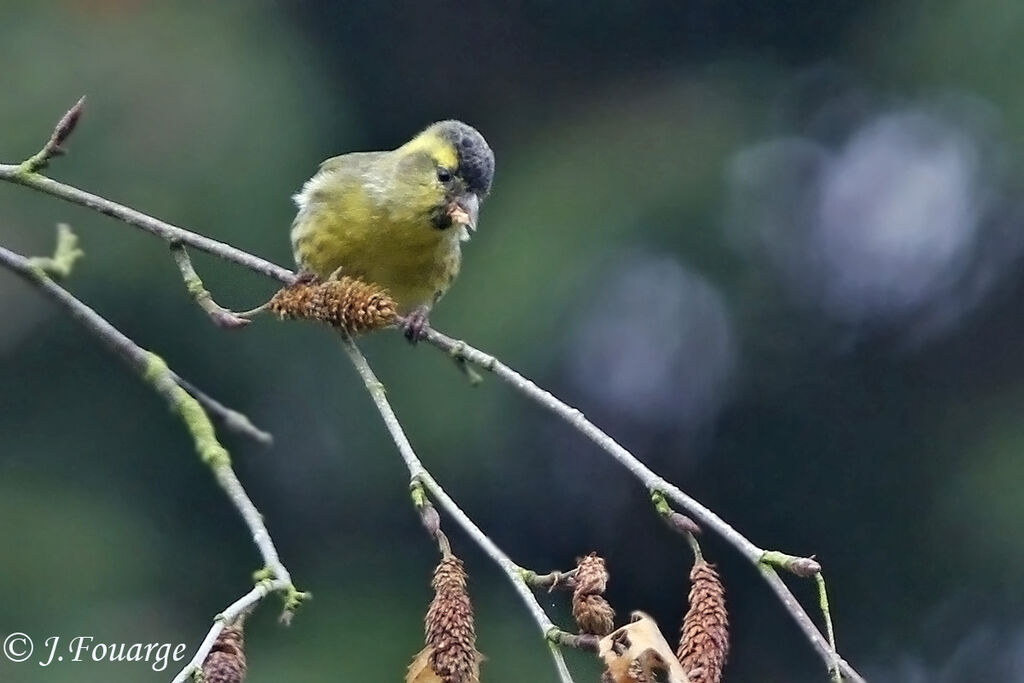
pixel 306 277
pixel 415 325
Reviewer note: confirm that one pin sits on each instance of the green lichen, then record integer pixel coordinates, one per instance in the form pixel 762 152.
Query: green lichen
pixel 419 496
pixel 192 414
pixel 264 574
pixel 64 256
pixel 660 503
pixel 293 600
pixel 528 576
pixel 194 286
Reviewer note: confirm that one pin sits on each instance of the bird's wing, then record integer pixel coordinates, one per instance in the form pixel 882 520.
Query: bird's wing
pixel 355 162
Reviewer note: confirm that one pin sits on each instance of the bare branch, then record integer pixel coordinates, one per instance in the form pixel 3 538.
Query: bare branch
pixel 165 231
pixel 551 580
pixel 34 271
pixel 155 372
pixel 220 316
pixel 230 614
pixel 653 482
pixel 419 474
pixel 229 417
pixel 836 670
pixel 587 642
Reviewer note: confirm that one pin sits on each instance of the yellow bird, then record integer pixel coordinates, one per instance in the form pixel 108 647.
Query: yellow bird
pixel 396 218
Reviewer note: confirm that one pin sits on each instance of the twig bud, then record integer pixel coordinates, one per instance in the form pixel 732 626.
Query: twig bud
pixel 804 567
pixel 682 524
pixel 66 126
pixel 431 520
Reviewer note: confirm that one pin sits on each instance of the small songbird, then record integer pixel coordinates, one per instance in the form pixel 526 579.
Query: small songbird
pixel 397 218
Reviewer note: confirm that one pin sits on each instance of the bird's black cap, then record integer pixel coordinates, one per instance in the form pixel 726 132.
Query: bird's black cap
pixel 476 160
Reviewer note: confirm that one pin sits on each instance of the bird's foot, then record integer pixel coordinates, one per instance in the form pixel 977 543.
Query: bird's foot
pixel 415 325
pixel 306 277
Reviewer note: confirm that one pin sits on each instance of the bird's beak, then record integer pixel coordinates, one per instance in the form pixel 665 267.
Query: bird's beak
pixel 465 210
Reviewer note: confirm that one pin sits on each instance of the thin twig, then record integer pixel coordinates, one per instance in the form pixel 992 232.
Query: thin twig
pixel 418 473
pixel 228 616
pixel 429 517
pixel 588 642
pixel 155 372
pixel 826 613
pixel 654 483
pixel 167 232
pixel 552 580
pixel 35 271
pixel 54 146
pixel 220 316
pixel 229 417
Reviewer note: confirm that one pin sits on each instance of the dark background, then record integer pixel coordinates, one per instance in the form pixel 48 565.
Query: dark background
pixel 771 247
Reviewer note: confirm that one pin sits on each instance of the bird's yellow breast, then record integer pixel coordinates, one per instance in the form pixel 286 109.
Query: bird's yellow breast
pixel 341 225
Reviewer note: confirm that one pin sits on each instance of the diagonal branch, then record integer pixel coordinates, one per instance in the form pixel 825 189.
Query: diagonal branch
pixel 230 614
pixel 229 417
pixel 155 372
pixel 419 475
pixel 220 316
pixel 165 231
pixel 656 485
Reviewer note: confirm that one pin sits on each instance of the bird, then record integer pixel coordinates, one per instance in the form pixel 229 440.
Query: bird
pixel 396 218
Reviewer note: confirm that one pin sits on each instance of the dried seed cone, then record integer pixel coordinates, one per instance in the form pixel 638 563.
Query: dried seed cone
pixel 704 641
pixel 226 661
pixel 347 303
pixel 450 634
pixel 591 611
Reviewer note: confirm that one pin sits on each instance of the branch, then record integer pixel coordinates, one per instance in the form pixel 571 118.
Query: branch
pixel 551 580
pixel 155 372
pixel 228 616
pixel 36 271
pixel 27 173
pixel 220 316
pixel 419 475
pixel 230 418
pixel 461 352
pixel 654 483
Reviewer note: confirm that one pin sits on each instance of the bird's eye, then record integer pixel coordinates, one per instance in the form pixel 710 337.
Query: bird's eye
pixel 443 174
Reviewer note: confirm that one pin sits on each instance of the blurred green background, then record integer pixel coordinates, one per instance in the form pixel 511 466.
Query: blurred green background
pixel 771 247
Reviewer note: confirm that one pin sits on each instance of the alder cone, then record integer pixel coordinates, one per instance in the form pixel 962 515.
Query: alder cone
pixel 226 661
pixel 591 611
pixel 346 303
pixel 450 633
pixel 704 640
